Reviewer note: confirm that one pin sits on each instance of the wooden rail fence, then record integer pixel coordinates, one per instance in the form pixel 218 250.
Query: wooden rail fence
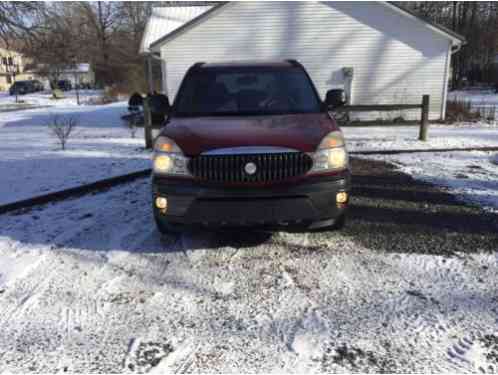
pixel 423 106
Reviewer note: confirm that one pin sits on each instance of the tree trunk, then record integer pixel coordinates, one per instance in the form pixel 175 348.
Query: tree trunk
pixel 77 84
pixel 102 30
pixel 454 60
pixel 463 55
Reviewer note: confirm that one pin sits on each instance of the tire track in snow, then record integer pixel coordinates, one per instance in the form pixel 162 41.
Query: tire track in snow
pixel 320 289
pixel 33 286
pixel 305 333
pixel 75 315
pixel 27 290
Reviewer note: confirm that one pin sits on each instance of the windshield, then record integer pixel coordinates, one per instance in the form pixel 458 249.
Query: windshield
pixel 246 91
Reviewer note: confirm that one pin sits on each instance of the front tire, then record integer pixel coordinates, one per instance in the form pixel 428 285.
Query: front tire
pixel 339 223
pixel 328 225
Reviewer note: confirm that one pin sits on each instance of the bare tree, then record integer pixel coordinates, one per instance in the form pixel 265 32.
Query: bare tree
pixel 57 46
pixel 478 22
pixel 62 127
pixel 101 22
pixel 18 19
pixel 105 34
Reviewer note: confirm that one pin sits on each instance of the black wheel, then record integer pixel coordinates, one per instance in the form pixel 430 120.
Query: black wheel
pixel 339 223
pixel 328 225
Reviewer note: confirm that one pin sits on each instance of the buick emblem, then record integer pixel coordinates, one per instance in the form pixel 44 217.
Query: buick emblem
pixel 250 168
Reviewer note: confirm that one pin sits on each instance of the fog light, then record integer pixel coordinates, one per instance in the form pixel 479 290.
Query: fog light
pixel 161 203
pixel 342 197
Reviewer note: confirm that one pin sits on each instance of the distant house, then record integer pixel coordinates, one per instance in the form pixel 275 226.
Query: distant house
pixel 82 74
pixel 12 67
pixel 378 52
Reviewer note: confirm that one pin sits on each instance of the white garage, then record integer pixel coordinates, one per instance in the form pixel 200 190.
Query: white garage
pixel 378 52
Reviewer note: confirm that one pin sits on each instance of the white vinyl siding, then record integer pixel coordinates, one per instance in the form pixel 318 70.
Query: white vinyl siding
pixel 396 59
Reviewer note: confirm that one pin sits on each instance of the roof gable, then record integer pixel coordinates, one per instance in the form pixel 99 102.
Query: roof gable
pixel 455 37
pixel 165 20
pixel 160 38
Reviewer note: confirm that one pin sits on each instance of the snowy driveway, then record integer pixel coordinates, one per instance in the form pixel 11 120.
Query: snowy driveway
pixel 471 175
pixel 88 285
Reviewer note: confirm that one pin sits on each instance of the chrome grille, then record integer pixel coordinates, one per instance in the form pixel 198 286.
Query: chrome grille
pixel 272 167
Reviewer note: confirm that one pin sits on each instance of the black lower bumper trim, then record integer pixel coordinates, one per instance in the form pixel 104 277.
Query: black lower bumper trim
pixel 189 203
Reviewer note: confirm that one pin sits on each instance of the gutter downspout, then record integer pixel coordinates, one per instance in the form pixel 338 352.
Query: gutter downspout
pixel 455 49
pixel 150 82
pixel 451 51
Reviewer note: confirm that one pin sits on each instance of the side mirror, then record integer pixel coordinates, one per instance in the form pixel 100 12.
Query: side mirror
pixel 335 98
pixel 159 108
pixel 159 103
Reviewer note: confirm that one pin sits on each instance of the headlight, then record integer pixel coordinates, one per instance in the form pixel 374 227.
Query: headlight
pixel 164 144
pixel 169 158
pixel 331 154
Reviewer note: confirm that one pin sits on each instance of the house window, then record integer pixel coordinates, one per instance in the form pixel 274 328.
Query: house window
pixel 4 60
pixel 9 79
pixel 10 61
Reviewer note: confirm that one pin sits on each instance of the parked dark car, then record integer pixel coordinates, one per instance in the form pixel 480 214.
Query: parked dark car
pixel 22 88
pixel 83 86
pixel 64 85
pixel 248 144
pixel 38 86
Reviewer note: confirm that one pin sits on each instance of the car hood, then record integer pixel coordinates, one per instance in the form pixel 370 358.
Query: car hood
pixel 302 132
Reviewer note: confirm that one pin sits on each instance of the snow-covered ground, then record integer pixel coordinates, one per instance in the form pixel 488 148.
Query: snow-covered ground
pixel 472 176
pixel 31 162
pixel 374 138
pixel 88 285
pixel 475 97
pixel 45 98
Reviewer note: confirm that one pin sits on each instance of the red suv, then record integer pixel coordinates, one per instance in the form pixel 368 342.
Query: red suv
pixel 248 144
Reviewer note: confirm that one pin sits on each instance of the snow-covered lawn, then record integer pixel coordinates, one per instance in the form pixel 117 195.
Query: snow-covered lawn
pixel 475 97
pixel 406 137
pixel 45 98
pixel 473 176
pixel 31 162
pixel 494 159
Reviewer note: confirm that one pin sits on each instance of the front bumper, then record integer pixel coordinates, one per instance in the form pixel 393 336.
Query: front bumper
pixel 192 203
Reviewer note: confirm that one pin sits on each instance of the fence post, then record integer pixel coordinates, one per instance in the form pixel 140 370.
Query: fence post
pixel 424 121
pixel 147 124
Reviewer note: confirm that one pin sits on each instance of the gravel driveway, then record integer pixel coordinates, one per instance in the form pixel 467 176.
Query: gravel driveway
pixel 410 285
